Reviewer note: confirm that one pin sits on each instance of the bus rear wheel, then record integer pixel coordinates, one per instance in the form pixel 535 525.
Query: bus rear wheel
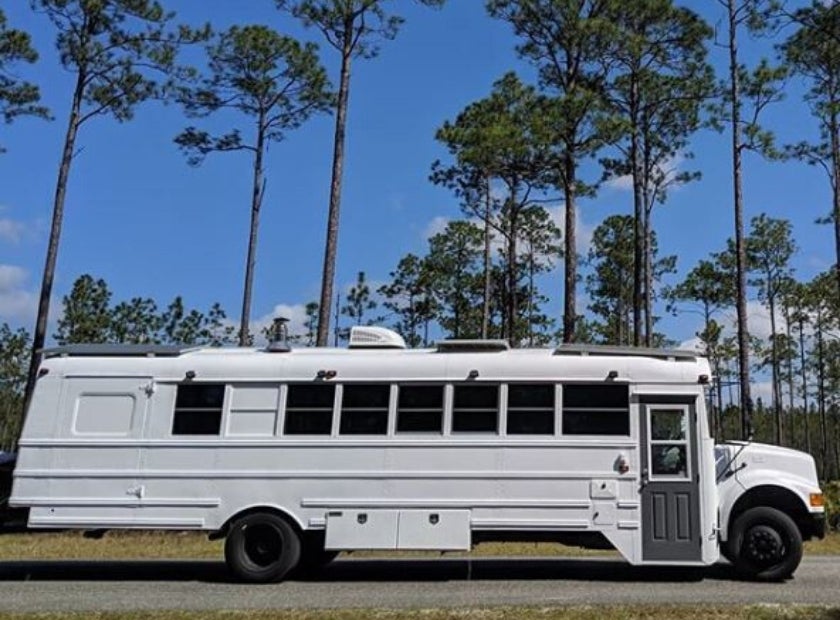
pixel 261 548
pixel 766 544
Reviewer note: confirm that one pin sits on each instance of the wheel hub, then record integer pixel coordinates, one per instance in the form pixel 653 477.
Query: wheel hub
pixel 263 545
pixel 764 545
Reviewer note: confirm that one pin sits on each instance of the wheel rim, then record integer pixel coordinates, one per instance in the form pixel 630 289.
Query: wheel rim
pixel 263 544
pixel 764 546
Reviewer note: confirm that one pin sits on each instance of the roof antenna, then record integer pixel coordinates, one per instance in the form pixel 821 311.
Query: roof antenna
pixel 279 336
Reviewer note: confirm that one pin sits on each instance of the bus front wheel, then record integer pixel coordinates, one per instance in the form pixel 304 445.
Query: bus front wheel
pixel 765 544
pixel 261 548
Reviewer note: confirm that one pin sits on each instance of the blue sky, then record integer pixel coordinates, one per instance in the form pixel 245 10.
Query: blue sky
pixel 138 216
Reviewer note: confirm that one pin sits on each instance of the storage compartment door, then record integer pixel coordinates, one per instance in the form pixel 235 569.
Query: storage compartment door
pixel 443 530
pixel 361 529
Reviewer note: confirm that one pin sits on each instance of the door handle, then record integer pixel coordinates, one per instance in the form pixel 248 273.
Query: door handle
pixel 643 479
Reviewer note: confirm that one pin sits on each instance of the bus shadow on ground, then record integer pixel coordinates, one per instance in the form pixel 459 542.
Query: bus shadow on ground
pixel 370 570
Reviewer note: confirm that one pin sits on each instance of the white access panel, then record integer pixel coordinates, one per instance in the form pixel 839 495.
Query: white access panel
pixel 434 529
pixel 361 529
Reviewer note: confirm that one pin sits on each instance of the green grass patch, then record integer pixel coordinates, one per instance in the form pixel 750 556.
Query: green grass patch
pixel 830 545
pixel 588 612
pixel 125 545
pixel 116 545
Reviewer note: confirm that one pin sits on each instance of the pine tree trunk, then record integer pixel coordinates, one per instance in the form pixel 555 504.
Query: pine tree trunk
pixel 639 228
pixel 485 308
pixel 256 203
pixel 512 305
pixel 570 276
pixel 835 418
pixel 789 360
pixel 39 337
pixel 774 363
pixel 620 314
pixel 805 413
pixel 707 318
pixel 648 282
pixel 532 291
pixel 721 429
pixel 331 245
pixel 834 129
pixel 821 397
pixel 740 248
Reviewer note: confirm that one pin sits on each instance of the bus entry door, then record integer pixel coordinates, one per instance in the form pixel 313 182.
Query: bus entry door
pixel 670 482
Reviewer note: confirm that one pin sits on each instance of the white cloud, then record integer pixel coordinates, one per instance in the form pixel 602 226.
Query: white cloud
pixel 17 304
pixel 819 262
pixel 758 323
pixel 435 227
pixel 11 230
pixel 693 344
pixel 296 313
pixel 11 276
pixel 583 230
pixel 669 168
pixel 762 390
pixel 623 183
pixel 758 320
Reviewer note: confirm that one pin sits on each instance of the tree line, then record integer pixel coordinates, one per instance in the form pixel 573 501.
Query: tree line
pixel 623 85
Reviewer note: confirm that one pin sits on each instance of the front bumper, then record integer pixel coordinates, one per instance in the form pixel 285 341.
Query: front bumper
pixel 813 526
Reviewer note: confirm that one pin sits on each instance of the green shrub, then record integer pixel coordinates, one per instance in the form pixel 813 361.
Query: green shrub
pixel 832 503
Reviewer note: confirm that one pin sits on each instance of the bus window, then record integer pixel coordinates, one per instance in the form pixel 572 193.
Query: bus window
pixel 420 409
pixel 530 409
pixel 475 409
pixel 309 409
pixel 601 409
pixel 198 409
pixel 364 409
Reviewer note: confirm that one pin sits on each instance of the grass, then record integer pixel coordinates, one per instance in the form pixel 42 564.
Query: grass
pixel 114 546
pixel 830 545
pixel 193 545
pixel 617 612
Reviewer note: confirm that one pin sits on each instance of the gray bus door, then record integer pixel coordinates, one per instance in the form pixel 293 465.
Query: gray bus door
pixel 670 481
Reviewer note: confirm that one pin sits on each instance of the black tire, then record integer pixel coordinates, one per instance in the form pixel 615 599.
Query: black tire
pixel 261 548
pixel 765 544
pixel 313 556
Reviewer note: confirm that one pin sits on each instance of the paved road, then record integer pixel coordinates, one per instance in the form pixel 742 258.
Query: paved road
pixel 86 586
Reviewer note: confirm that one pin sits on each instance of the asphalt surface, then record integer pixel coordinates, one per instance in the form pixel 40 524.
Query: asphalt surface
pixel 426 583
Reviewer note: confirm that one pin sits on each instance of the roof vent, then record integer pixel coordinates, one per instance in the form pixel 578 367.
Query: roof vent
pixel 367 337
pixel 677 355
pixel 471 346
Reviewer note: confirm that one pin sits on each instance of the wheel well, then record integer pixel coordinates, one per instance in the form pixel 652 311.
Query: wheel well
pixel 223 531
pixel 779 498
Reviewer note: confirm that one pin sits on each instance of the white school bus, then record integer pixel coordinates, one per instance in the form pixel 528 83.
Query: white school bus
pixel 296 455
